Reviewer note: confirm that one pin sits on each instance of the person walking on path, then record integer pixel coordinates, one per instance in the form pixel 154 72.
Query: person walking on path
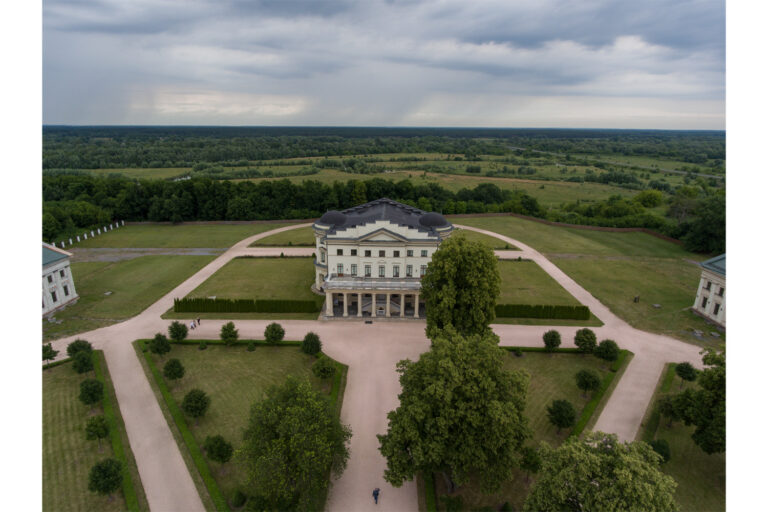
pixel 376 495
pixel 198 321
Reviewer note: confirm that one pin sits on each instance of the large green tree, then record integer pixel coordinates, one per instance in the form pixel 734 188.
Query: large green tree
pixel 292 440
pixel 460 413
pixel 601 473
pixel 460 287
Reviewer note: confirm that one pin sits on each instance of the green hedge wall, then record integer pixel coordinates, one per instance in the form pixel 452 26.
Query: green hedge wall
pixel 205 305
pixel 542 311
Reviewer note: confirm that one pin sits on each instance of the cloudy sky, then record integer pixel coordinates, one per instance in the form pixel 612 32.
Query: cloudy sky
pixel 516 63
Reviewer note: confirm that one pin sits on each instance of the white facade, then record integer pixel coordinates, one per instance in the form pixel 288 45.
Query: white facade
pixel 58 284
pixel 710 296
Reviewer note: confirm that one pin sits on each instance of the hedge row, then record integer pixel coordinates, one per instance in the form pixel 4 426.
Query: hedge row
pixel 559 312
pixel 206 305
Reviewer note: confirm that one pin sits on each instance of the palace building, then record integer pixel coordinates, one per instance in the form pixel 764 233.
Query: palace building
pixel 58 285
pixel 370 258
pixel 710 297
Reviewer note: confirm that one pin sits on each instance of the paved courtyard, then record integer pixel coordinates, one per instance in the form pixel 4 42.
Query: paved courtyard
pixel 371 351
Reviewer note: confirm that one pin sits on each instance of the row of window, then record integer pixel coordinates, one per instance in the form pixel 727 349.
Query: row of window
pixel 54 297
pixel 382 253
pixel 705 301
pixel 720 292
pixel 382 270
pixel 62 274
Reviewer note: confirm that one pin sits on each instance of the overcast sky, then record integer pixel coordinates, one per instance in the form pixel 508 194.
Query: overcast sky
pixel 513 63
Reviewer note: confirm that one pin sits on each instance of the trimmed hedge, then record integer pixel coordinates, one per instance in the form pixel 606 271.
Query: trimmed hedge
pixel 206 305
pixel 559 312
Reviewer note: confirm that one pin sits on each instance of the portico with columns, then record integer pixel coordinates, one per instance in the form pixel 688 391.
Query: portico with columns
pixel 370 259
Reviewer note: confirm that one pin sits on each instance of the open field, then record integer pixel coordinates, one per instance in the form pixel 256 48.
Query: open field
pixel 249 375
pixel 261 278
pixel 177 236
pixel 152 173
pixel 303 237
pixel 489 241
pixel 524 282
pixel 700 477
pixel 134 285
pixel 68 456
pixel 552 378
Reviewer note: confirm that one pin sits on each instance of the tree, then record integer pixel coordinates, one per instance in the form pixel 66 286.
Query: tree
pixel 608 350
pixel 196 403
pixel 177 331
pixel 274 333
pixel 587 381
pixel 551 340
pixel 461 286
pixel 561 414
pixel 600 473
pixel 706 233
pixel 78 346
pixel 705 406
pixel 293 439
pixel 91 391
pixel 229 334
pixel 669 408
pixel 311 344
pixel 586 340
pixel 358 193
pixel 661 446
pixel 96 428
pixel 106 476
pixel 686 372
pixel 324 368
pixel 530 462
pixel 218 449
pixel 159 344
pixel 48 353
pixel 173 369
pixel 82 362
pixel 460 414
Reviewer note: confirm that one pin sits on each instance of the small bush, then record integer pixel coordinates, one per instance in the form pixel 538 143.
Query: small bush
pixel 251 346
pixel 552 340
pixel 608 350
pixel 239 499
pixel 324 368
pixel 274 333
pixel 518 352
pixel 83 361
pixel 203 345
pixel 586 340
pixel 661 446
pixel 78 346
pixel 311 344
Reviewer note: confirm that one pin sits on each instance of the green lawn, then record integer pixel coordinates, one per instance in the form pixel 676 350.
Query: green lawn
pixel 302 237
pixel 489 241
pixel 700 477
pixel 261 278
pixel 172 236
pixel 134 284
pixel 153 173
pixel 248 376
pixel 552 378
pixel 524 282
pixel 68 456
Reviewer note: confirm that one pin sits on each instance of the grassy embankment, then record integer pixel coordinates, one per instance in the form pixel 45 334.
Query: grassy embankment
pixel 166 236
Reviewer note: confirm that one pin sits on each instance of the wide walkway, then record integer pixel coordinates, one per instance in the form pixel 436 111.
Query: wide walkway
pixel 371 351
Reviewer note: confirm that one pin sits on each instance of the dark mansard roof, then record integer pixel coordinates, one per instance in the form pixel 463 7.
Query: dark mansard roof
pixel 385 209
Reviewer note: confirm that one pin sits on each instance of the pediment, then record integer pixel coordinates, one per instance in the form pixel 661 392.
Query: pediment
pixel 382 235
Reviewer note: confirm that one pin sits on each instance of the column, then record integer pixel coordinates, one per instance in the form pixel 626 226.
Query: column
pixel 359 304
pixel 402 305
pixel 328 304
pixel 346 310
pixel 416 305
pixel 386 310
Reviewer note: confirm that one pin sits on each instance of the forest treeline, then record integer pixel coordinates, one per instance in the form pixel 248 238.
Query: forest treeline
pixel 77 201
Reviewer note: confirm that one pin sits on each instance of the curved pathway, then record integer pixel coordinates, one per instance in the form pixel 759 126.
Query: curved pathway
pixel 371 351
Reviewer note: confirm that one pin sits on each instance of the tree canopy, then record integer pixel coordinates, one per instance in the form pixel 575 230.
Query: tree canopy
pixel 293 439
pixel 461 286
pixel 601 473
pixel 48 352
pixel 178 330
pixel 460 413
pixel 105 476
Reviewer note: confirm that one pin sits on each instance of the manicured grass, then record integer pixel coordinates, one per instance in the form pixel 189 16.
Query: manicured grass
pixel 261 278
pixel 488 241
pixel 700 477
pixel 135 285
pixel 68 456
pixel 152 173
pixel 552 378
pixel 248 376
pixel 524 282
pixel 302 237
pixel 173 236
pixel 667 282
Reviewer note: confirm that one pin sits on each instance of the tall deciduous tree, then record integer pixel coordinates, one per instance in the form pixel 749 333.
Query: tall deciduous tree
pixel 601 473
pixel 292 440
pixel 460 413
pixel 461 286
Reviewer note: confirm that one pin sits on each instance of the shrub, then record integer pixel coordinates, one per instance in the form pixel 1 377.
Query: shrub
pixel 239 499
pixel 229 334
pixel 608 350
pixel 106 476
pixel 561 414
pixel 551 340
pixel 78 346
pixel 323 368
pixel 173 369
pixel 311 344
pixel 586 340
pixel 91 391
pixel 661 446
pixel 159 344
pixel 274 333
pixel 83 361
pixel 177 331
pixel 196 403
pixel 218 449
pixel 251 346
pixel 587 381
pixel 96 428
pixel 203 345
pixel 517 351
pixel 685 371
